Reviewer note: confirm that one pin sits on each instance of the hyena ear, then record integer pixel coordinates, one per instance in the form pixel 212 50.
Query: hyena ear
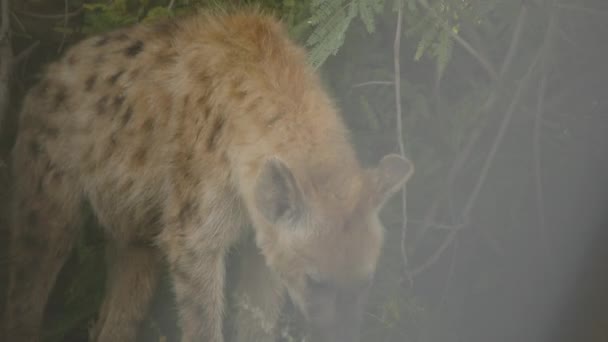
pixel 390 175
pixel 277 194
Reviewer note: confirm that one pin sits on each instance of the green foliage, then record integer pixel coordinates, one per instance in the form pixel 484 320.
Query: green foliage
pixel 432 22
pixel 331 19
pixel 101 17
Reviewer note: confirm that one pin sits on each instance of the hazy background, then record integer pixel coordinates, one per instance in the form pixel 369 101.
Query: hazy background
pixel 504 110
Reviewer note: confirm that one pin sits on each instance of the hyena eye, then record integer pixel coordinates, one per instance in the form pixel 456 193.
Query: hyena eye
pixel 316 284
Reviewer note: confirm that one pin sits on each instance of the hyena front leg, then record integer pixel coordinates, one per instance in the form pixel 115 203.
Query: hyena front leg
pixel 132 278
pixel 195 243
pixel 198 280
pixel 46 215
pixel 258 297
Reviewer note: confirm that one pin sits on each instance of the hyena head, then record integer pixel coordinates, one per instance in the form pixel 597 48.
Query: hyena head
pixel 325 245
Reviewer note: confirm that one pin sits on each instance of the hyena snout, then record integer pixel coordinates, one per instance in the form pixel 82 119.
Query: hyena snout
pixel 337 317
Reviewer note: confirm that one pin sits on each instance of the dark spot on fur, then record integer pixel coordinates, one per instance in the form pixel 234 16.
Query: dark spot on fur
pixel 50 132
pixel 127 186
pixel 127 116
pixel 274 119
pixel 102 41
pixel 164 58
pixel 187 211
pixel 32 218
pixel 59 98
pixel 121 37
pixel 148 125
pixel 118 100
pixel 90 83
pixel 72 59
pixel 40 186
pixel 216 131
pixel 165 27
pixel 21 274
pixel 42 88
pixel 102 104
pixel 205 107
pixel 134 73
pixel 134 49
pixel 141 243
pixel 56 177
pixel 140 156
pixel 31 241
pixel 100 58
pixel 240 94
pixel 111 148
pixel 116 76
pixel 34 148
pixel 155 217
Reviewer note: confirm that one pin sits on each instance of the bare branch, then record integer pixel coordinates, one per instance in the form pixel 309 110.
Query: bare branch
pixel 397 73
pixel 470 203
pixel 538 157
pixel 368 83
pixel 506 121
pixel 23 54
pixel 436 225
pixel 171 4
pixel 435 256
pixel 519 25
pixel 536 138
pixel 66 19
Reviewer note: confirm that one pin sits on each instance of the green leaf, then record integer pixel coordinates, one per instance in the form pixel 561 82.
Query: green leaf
pixel 444 51
pixel 157 13
pixel 332 20
pixel 368 10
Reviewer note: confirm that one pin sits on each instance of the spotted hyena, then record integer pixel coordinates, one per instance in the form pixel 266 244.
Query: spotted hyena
pixel 181 135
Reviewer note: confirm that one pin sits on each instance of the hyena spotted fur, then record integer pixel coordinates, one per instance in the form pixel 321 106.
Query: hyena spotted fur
pixel 182 135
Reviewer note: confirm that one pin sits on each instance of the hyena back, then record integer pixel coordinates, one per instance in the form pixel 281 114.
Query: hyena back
pixel 180 135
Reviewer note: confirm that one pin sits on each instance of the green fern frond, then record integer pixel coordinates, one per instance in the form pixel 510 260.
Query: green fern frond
pixel 368 9
pixel 328 36
pixel 444 48
pixel 425 42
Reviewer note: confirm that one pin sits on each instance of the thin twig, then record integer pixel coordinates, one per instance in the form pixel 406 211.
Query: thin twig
pixel 485 63
pixel 18 21
pixel 519 25
pixel 436 225
pixel 538 158
pixel 171 4
pixel 470 203
pixel 435 256
pixel 23 54
pixel 397 71
pixel 506 121
pixel 537 149
pixel 368 83
pixel 65 26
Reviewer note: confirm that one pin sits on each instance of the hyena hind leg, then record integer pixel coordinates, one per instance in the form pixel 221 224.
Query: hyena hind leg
pixel 46 216
pixel 133 272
